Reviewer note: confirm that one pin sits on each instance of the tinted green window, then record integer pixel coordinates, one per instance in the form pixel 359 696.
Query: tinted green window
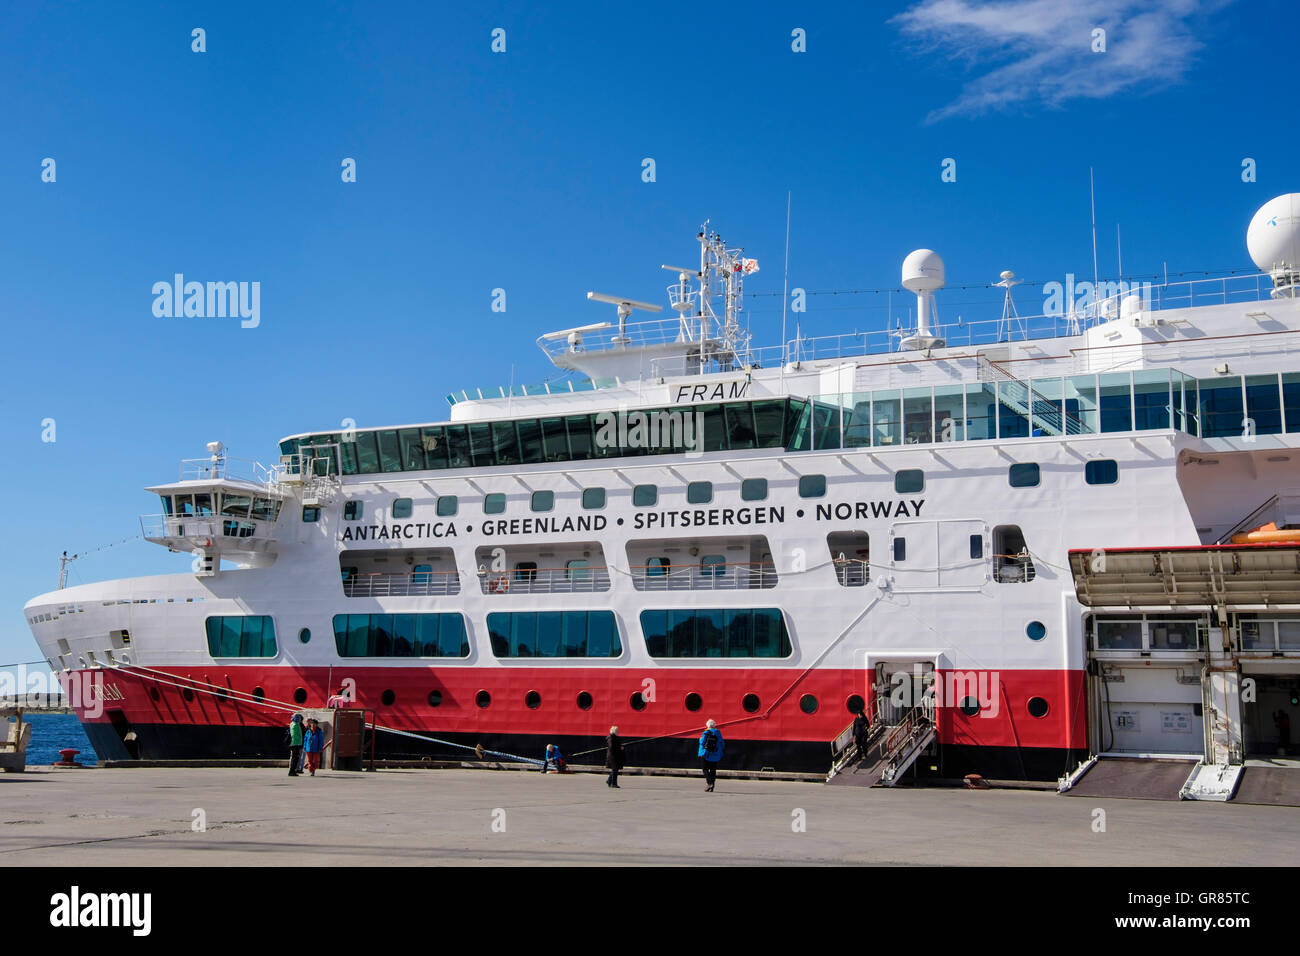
pixel 740 425
pixel 240 636
pixel 390 455
pixel 769 424
pixel 351 510
pixel 1025 475
pixel 712 428
pixel 348 455
pixel 909 481
pixel 543 500
pixel 555 443
pixel 645 496
pixel 412 449
pixel 826 426
pixel 699 492
pixel 1102 471
pixel 580 437
pixel 494 504
pixel 400 635
pixel 457 446
pixel 753 489
pixel 367 453
pixel 506 442
pixel 593 498
pixel 448 505
pixel 434 442
pixel 480 446
pixel 812 486
pixel 402 507
pixel 716 632
pixel 310 513
pixel 554 634
pixel 530 441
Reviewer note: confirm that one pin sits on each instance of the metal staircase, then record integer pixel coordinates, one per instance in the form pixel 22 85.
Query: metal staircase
pixel 890 748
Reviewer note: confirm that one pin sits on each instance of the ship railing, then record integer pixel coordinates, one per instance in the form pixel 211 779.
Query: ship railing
pixel 235 469
pixel 650 332
pixel 414 584
pixel 561 387
pixel 852 572
pixel 729 577
pixel 204 526
pixel 545 581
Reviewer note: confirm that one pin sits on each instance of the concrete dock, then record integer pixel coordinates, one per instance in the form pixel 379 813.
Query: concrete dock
pixel 262 817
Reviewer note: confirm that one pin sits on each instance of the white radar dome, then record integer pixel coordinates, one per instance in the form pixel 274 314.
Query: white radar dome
pixel 923 271
pixel 1273 236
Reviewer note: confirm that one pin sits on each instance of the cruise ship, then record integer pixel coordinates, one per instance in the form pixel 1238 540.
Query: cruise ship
pixel 1019 542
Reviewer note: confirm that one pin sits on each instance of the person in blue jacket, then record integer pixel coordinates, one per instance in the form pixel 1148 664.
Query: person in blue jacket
pixel 711 746
pixel 553 757
pixel 313 742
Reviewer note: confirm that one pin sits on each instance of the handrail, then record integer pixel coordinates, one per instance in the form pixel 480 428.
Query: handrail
pixel 1247 523
pixel 390 584
pixel 545 581
pixel 204 526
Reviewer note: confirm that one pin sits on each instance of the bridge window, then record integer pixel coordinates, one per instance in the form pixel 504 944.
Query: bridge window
pixel 716 632
pixel 494 504
pixel 699 492
pixel 645 496
pixel 240 636
pixel 909 481
pixel 753 489
pixel 543 500
pixel 235 506
pixel 400 635
pixel 402 507
pixel 448 505
pixel 554 634
pixel 1264 404
pixel 1221 411
pixel 1024 475
pixel 310 513
pixel 1101 471
pixel 593 498
pixel 351 510
pixel 812 486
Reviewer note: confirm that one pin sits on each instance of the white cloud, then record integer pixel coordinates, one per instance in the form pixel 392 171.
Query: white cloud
pixel 1041 51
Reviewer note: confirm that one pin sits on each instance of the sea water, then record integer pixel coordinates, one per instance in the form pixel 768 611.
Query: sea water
pixel 54 732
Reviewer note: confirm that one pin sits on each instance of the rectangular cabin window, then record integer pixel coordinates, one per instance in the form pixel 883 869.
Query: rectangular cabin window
pixel 900 549
pixel 412 449
pixel 699 492
pixel 713 565
pixel 494 504
pixel 352 510
pixel 367 453
pixel 235 506
pixel 203 505
pixel 753 489
pixel 447 506
pixel 310 513
pixel 554 634
pixel 543 501
pixel 434 443
pixel 593 498
pixel 266 509
pixel 402 508
pixel 457 446
pixel 812 486
pixel 976 546
pixel 401 635
pixel 1023 475
pixel 716 632
pixel 526 571
pixel 658 567
pixel 645 496
pixel 240 636
pixel 390 455
pixel 166 504
pixel 909 481
pixel 579 569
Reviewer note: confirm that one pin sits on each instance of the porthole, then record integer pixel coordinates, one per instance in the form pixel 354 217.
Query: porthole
pixel 808 704
pixel 387 698
pixel 483 699
pixel 636 701
pixel 300 695
pixel 750 703
pixel 532 700
pixel 1037 707
pixel 304 635
pixel 189 694
pixel 584 701
pixel 694 702
pixel 855 704
pixel 970 706
pixel 1036 630
pixel 259 694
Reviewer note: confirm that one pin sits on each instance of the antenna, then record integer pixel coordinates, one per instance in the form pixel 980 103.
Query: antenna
pixel 785 286
pixel 1119 253
pixel 625 307
pixel 1092 202
pixel 1009 314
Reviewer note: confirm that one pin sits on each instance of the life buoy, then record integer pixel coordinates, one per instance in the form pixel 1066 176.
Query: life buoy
pixel 500 585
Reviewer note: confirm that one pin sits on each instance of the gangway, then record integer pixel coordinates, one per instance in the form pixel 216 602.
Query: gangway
pixel 890 748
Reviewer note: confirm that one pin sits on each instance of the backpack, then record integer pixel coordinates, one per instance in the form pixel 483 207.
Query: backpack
pixel 710 742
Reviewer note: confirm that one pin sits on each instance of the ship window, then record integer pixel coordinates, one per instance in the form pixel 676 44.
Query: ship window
pixel 402 507
pixel 657 567
pixel 448 505
pixel 1101 471
pixel 900 549
pixel 909 481
pixel 266 509
pixel 1037 707
pixel 310 513
pixel 1036 630
pixel 530 441
pixel 367 455
pixel 554 634
pixel 580 440
pixel 390 457
pixel 808 704
pixel 235 506
pixel 812 486
pixel 400 635
pixel 713 565
pixel 750 702
pixel 716 632
pixel 351 510
pixel 1024 475
pixel 203 505
pixel 240 636
pixel 753 489
pixel 526 571
pixel 976 546
pixel 412 448
pixel 422 574
pixel 304 635
pixel 645 496
pixel 579 569
pixel 166 504
pixel 457 446
pixel 693 702
pixel 850 553
pixel 699 492
pixel 506 443
pixel 483 699
pixel 543 500
pixel 494 504
pixel 593 498
pixel 532 700
pixel 584 701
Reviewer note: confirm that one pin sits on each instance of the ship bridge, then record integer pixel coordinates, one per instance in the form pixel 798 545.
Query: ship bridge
pixel 214 513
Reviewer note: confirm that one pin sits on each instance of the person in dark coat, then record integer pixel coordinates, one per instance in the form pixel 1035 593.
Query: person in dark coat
pixel 861 729
pixel 295 744
pixel 613 757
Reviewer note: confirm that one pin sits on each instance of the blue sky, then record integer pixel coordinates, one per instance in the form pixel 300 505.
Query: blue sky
pixel 522 170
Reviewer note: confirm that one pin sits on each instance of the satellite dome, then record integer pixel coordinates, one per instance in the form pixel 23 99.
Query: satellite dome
pixel 1273 237
pixel 923 271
